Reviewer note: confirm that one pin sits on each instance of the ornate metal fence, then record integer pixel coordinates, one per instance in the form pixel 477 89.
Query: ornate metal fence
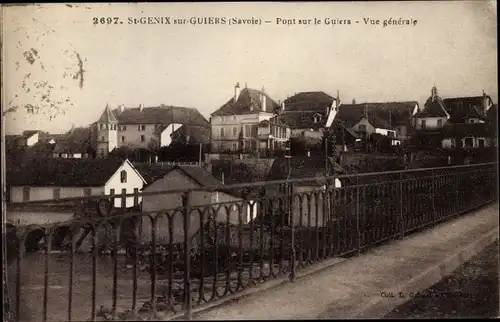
pixel 165 263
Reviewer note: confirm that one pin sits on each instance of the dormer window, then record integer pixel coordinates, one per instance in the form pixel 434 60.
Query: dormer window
pixel 317 118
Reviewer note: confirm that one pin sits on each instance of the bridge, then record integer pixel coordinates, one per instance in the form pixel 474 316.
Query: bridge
pixel 177 261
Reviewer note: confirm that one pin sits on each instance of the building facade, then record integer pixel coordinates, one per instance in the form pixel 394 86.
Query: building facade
pixel 145 127
pixel 53 179
pixel 247 122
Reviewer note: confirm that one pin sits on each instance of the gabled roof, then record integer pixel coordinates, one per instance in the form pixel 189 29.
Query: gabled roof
pixel 248 102
pixel 309 101
pixel 201 176
pixel 301 108
pixel 385 115
pixel 107 116
pixel 461 108
pixel 162 114
pixel 65 172
pixel 29 133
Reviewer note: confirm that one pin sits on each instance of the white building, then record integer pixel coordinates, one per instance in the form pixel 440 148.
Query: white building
pixel 52 179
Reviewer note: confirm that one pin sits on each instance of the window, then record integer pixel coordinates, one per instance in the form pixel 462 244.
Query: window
pixel 235 147
pixel 362 128
pixel 235 130
pixel 123 176
pixel 123 138
pixel 222 118
pixel 26 193
pixel 56 193
pixel 390 134
pixel 469 142
pixel 30 108
pixel 234 117
pixel 87 192
pixel 102 139
pixel 248 130
pixel 481 143
pixel 440 123
pixel 254 131
pixel 222 132
pixel 102 151
pixel 101 126
pixel 422 124
pixel 452 142
pixel 142 138
pixel 142 127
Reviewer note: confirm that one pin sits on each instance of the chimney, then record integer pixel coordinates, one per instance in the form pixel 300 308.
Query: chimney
pixel 236 91
pixel 141 107
pixel 353 101
pixel 121 108
pixel 263 99
pixel 433 93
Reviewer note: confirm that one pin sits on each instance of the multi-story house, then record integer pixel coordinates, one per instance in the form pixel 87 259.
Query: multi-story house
pixel 143 127
pixel 247 122
pixel 308 114
pixel 392 119
pixel 459 122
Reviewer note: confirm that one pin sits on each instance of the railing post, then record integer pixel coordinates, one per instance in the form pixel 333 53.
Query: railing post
pixel 358 227
pixel 292 226
pixel 401 209
pixel 187 259
pixel 433 198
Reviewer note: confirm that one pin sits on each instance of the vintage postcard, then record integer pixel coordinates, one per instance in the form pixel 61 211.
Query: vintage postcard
pixel 253 160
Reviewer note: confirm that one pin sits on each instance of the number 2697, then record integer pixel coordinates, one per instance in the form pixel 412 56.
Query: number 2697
pixel 106 20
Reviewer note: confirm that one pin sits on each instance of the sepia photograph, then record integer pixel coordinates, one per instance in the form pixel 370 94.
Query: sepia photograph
pixel 249 160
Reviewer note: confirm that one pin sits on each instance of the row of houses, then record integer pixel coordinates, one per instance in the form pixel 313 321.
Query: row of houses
pixel 253 122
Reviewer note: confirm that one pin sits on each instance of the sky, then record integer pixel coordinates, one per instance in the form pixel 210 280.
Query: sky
pixel 68 68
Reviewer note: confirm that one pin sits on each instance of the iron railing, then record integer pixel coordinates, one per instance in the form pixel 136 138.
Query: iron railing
pixel 164 262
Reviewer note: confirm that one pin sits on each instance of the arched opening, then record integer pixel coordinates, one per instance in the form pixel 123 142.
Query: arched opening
pixel 34 241
pixel 59 236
